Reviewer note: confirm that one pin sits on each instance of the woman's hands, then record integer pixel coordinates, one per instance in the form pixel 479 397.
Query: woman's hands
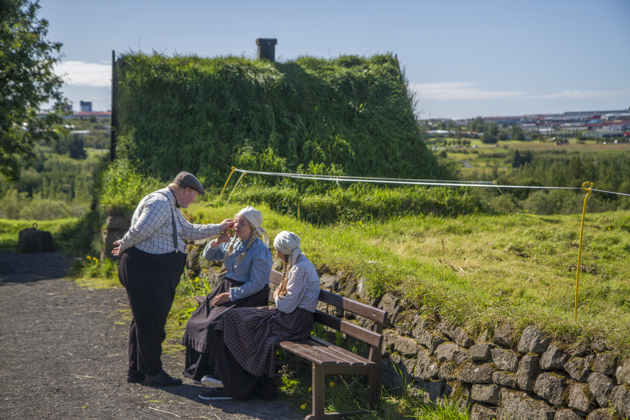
pixel 224 237
pixel 221 298
pixel 226 225
pixel 279 292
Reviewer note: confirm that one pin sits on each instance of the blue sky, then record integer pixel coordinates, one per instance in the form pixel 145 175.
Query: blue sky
pixel 461 58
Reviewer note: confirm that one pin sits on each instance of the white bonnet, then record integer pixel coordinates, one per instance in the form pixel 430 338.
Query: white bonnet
pixel 288 243
pixel 255 219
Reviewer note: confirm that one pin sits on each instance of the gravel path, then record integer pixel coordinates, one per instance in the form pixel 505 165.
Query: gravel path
pixel 63 354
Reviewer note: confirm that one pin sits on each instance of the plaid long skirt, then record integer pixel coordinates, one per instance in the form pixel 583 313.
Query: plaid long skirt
pixel 200 339
pixel 251 333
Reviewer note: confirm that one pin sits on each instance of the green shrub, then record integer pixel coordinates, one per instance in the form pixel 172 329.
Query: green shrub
pixel 362 203
pixel 121 188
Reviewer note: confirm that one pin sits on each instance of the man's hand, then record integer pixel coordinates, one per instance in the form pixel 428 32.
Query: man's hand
pixel 221 298
pixel 226 225
pixel 116 251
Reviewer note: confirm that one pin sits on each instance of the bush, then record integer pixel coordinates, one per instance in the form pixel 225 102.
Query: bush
pixel 362 203
pixel 121 188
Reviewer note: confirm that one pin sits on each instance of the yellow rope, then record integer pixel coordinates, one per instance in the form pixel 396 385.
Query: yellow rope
pixel 228 180
pixel 577 280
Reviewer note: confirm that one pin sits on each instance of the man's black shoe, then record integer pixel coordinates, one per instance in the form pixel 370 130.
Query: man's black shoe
pixel 162 379
pixel 134 376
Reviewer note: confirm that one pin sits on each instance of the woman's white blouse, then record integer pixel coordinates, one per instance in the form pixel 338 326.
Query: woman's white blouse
pixel 302 287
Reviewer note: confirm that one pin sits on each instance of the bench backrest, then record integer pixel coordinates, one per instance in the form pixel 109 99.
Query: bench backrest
pixel 373 338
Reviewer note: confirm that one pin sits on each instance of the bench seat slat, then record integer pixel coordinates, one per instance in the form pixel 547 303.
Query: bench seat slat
pixel 307 352
pixel 323 353
pixel 341 351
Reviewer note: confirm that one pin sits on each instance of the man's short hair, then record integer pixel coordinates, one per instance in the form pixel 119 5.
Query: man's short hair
pixel 187 180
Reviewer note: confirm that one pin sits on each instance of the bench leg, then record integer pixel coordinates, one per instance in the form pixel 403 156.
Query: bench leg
pixel 318 391
pixel 374 388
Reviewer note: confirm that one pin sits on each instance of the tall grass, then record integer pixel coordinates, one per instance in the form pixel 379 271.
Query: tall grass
pixel 481 270
pixel 363 203
pixel 205 115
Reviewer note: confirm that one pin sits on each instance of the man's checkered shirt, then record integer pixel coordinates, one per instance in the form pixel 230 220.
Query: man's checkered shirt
pixel 152 227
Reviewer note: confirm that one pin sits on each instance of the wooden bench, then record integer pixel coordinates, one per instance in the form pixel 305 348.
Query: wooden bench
pixel 328 359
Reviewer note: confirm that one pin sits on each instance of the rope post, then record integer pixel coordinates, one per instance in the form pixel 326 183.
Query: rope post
pixel 235 185
pixel 228 180
pixel 585 187
pixel 495 182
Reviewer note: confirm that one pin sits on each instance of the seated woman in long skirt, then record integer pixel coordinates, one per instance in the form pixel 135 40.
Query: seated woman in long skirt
pixel 246 284
pixel 244 356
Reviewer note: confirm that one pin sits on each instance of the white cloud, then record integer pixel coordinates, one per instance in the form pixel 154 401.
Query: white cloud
pixel 79 73
pixel 455 91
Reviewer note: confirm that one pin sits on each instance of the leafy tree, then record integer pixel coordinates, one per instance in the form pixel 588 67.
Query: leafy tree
pixel 27 61
pixel 516 160
pixel 492 128
pixel 488 138
pixel 517 132
pixel 477 125
pixel 73 146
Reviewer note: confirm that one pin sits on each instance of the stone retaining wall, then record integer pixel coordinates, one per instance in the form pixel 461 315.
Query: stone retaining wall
pixel 503 377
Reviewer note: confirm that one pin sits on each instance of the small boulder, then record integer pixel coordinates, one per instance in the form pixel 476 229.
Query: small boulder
pixel 605 363
pixel 518 405
pixel 581 398
pixel 480 352
pixel 481 412
pixel 504 336
pixel 471 373
pixel 569 414
pixel 532 341
pixel 504 360
pixel 553 359
pixel 451 351
pixel 504 378
pixel 528 371
pixel 601 386
pixel 579 367
pixel 623 373
pixel 488 394
pixel 551 386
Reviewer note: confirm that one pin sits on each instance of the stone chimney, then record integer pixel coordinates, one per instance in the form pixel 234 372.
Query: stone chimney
pixel 267 48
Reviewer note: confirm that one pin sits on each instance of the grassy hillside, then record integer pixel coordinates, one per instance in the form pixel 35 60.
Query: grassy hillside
pixel 482 270
pixel 351 113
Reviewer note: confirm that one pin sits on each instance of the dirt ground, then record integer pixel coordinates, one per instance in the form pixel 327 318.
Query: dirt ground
pixel 63 354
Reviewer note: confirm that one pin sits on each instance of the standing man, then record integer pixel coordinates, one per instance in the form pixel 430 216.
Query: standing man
pixel 152 256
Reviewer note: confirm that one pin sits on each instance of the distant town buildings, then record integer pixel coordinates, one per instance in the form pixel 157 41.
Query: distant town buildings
pixel 590 124
pixel 86 106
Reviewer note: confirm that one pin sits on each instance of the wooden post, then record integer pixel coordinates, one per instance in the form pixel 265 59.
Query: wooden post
pixel 114 126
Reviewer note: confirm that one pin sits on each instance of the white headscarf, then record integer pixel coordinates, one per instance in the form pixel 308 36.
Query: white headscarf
pixel 288 243
pixel 255 219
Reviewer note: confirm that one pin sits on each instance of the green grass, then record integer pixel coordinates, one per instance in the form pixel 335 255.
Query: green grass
pixel 483 270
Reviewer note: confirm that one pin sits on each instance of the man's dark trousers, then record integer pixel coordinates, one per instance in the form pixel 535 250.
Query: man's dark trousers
pixel 150 280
